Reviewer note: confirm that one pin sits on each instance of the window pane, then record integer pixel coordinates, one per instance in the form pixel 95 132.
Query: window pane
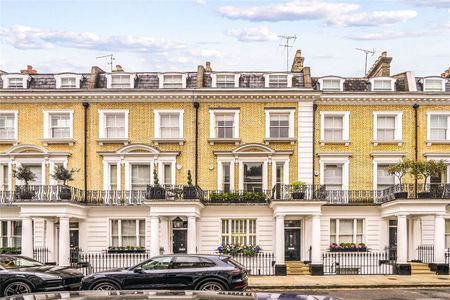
pixel 333 128
pixel 7 130
pixel 384 180
pixel 15 83
pixel 168 174
pixel 173 81
pixel 226 177
pixel 253 177
pixel 333 176
pixel 120 81
pixel 277 81
pixel 115 125
pixel 279 125
pixel 170 126
pixel 113 177
pixel 225 81
pixel 331 84
pixel 60 125
pixel 140 177
pixel 224 125
pixel 438 127
pixel 433 84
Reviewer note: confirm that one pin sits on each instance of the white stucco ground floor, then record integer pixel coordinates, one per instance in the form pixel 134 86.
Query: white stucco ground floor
pixel 291 230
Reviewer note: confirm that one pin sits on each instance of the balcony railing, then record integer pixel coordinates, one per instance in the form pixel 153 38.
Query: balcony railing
pixel 280 192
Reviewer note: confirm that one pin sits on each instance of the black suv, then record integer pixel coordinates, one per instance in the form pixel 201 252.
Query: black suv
pixel 186 272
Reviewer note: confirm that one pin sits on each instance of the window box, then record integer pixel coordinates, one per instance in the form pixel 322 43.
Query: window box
pixel 10 250
pixel 128 249
pixel 247 250
pixel 348 247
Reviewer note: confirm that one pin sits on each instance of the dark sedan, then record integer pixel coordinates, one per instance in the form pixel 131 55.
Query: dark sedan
pixel 20 274
pixel 186 272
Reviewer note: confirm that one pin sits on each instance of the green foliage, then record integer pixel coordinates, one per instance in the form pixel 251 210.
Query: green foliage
pixel 426 168
pixel 298 186
pixel 155 177
pixel 235 197
pixel 233 249
pixel 10 250
pixel 189 178
pixel 24 174
pixel 399 170
pixel 63 174
pixel 126 249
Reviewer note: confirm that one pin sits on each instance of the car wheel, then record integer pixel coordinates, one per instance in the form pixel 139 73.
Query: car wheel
pixel 17 288
pixel 211 286
pixel 105 286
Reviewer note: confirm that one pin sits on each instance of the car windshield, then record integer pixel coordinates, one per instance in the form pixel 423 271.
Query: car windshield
pixel 13 262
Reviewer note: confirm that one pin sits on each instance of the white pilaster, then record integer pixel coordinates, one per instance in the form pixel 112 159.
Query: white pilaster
pixel 279 240
pixel 416 235
pixel 402 240
pixel 439 239
pixel 154 232
pixel 50 239
pixel 191 235
pixel 164 230
pixel 64 242
pixel 315 240
pixel 27 237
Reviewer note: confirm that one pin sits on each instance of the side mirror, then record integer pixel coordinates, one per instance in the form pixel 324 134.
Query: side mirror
pixel 138 270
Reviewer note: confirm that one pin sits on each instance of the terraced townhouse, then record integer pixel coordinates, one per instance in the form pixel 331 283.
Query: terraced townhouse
pixel 248 139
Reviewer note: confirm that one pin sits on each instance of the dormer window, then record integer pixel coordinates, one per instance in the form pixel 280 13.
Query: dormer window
pixel 225 80
pixel 172 81
pixel 68 81
pixel 382 84
pixel 15 81
pixel 331 84
pixel 433 85
pixel 278 80
pixel 120 81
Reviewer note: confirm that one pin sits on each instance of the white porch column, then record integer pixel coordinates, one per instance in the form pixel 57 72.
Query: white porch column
pixel 279 240
pixel 64 242
pixel 439 239
pixel 192 235
pixel 402 240
pixel 164 239
pixel 416 235
pixel 27 237
pixel 50 239
pixel 154 234
pixel 315 240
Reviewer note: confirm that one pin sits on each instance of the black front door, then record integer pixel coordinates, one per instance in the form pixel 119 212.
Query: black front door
pixel 292 244
pixel 179 241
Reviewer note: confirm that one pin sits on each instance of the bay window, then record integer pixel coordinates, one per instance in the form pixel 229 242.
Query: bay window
pixel 346 231
pixel 127 233
pixel 239 231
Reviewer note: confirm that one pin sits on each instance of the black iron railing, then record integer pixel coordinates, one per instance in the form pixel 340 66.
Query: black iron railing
pixel 421 191
pixel 260 264
pixel 25 193
pixel 425 253
pixel 41 254
pixel 357 263
pixel 447 256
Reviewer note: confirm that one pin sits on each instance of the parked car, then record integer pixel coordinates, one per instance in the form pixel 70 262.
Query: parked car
pixel 21 274
pixel 175 272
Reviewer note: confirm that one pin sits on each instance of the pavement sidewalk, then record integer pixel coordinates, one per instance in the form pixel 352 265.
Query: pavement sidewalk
pixel 342 281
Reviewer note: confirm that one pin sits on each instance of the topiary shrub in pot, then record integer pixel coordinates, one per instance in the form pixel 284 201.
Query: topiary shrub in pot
pixel 156 191
pixel 189 191
pixel 26 175
pixel 298 190
pixel 60 173
pixel 399 170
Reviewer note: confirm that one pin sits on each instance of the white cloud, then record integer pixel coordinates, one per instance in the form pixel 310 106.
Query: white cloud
pixel 332 13
pixel 253 34
pixel 434 3
pixel 200 2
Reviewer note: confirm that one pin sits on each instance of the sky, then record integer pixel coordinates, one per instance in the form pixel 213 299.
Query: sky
pixel 170 35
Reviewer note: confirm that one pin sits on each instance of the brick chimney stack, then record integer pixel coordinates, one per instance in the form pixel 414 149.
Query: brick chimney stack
pixel 297 64
pixel 28 70
pixel 93 78
pixel 381 67
pixel 200 76
pixel 446 73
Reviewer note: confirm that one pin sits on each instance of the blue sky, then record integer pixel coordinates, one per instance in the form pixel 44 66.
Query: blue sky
pixel 58 36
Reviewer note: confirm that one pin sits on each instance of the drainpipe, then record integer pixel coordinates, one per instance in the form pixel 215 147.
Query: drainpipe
pixel 314 147
pixel 196 106
pixel 86 106
pixel 416 143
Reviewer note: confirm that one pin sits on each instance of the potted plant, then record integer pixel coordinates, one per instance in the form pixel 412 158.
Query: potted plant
pixel 60 173
pixel 298 190
pixel 156 191
pixel 429 169
pixel 189 191
pixel 399 170
pixel 26 175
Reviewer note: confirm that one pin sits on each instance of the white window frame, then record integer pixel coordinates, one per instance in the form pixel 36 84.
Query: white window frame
pixel 336 160
pixel 384 160
pixel 60 77
pixel 229 231
pixel 372 84
pixel 157 125
pixel 345 123
pixel 161 175
pixel 355 229
pixel 214 79
pixel 25 78
pixel 5 175
pixel 47 122
pixel 102 122
pixel 291 113
pixel 109 77
pixel 341 83
pixel 285 164
pixel 437 113
pixel 220 163
pixel 434 78
pixel 107 174
pixel 9 232
pixel 398 131
pixel 119 230
pixel 16 124
pixel 265 170
pixel 161 78
pixel 267 80
pixel 212 123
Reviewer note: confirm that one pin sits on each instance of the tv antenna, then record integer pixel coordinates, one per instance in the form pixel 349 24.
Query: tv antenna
pixel 111 59
pixel 366 52
pixel 289 41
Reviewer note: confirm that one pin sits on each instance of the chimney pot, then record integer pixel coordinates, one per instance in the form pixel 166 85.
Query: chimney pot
pixel 28 70
pixel 208 67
